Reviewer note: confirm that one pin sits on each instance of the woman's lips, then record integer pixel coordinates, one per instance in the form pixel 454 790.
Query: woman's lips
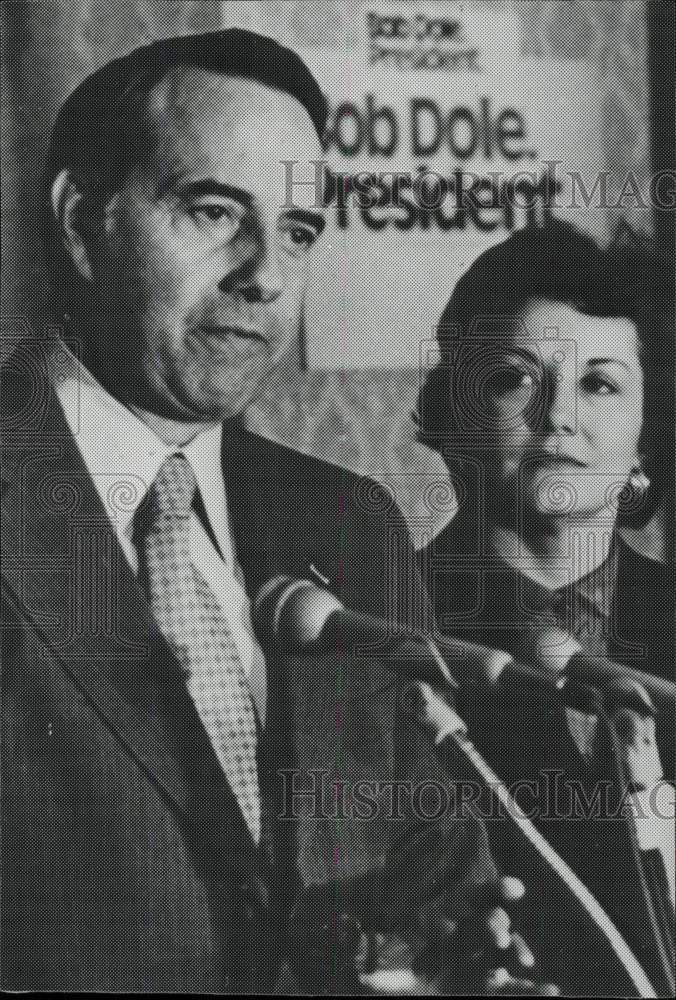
pixel 547 458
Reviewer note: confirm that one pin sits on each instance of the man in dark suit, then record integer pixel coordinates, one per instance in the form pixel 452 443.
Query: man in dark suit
pixel 148 739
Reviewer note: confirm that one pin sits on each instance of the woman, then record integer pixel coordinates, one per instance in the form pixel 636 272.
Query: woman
pixel 545 406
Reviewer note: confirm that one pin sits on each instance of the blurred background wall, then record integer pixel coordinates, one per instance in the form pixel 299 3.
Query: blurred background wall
pixel 371 336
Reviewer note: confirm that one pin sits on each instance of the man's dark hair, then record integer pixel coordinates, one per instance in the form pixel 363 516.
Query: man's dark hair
pixel 558 263
pixel 100 129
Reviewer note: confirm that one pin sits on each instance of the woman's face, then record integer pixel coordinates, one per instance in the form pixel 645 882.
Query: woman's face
pixel 563 401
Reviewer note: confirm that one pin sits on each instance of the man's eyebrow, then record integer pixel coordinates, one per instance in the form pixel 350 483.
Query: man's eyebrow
pixel 208 187
pixel 307 217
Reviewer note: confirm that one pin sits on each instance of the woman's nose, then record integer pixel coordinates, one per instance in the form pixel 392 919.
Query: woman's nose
pixel 559 414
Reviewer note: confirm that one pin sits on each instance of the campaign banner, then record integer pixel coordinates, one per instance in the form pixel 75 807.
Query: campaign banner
pixel 442 139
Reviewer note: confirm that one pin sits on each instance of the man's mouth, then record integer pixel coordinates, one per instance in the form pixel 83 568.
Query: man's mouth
pixel 228 331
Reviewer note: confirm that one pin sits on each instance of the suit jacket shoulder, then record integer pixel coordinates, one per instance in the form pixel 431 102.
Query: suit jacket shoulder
pixel 296 514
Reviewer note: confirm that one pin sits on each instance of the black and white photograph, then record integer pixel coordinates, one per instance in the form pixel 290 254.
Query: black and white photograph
pixel 337 477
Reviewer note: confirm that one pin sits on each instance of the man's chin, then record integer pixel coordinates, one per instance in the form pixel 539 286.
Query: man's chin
pixel 211 395
pixel 184 415
pixel 213 412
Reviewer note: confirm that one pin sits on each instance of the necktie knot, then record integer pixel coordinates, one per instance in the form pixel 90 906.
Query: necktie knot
pixel 170 497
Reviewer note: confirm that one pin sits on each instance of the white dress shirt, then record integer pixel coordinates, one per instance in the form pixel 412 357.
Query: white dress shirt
pixel 123 456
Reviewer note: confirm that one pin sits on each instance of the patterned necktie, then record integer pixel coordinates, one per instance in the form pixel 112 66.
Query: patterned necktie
pixel 193 623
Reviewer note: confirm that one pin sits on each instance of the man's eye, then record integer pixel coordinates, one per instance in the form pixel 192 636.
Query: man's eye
pixel 224 218
pixel 298 239
pixel 598 385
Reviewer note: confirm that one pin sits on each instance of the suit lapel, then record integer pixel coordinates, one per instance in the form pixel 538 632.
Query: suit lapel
pixel 328 712
pixel 294 515
pixel 245 476
pixel 69 576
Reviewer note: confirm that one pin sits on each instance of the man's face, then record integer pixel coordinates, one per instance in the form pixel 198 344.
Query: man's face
pixel 199 267
pixel 565 412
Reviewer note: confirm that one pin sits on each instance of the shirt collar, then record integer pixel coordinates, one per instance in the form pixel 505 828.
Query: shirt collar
pixel 123 454
pixel 596 589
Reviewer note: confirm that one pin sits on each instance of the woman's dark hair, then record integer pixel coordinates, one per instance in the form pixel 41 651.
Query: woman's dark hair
pixel 101 129
pixel 558 263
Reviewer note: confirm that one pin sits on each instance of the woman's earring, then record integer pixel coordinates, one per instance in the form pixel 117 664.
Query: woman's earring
pixel 638 480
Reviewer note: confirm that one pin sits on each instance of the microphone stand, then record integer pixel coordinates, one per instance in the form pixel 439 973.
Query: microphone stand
pixel 449 735
pixel 627 776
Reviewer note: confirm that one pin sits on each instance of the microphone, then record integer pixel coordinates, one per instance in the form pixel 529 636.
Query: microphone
pixel 555 650
pixel 296 616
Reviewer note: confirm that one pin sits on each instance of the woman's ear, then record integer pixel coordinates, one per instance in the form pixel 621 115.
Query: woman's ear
pixel 72 210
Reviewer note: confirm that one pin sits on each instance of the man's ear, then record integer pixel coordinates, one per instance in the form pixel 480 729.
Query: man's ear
pixel 72 210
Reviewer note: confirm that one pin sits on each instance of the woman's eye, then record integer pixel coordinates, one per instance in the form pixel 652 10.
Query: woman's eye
pixel 507 378
pixel 598 385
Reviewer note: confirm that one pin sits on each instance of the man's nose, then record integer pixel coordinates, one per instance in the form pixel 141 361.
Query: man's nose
pixel 259 277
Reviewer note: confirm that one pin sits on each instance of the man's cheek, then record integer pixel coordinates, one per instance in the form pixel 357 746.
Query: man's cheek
pixel 158 286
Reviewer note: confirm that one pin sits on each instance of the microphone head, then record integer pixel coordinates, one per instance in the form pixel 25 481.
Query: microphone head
pixel 289 614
